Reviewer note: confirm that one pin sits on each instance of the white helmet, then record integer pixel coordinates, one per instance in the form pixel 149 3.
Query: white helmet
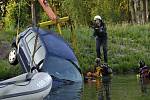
pixel 97 17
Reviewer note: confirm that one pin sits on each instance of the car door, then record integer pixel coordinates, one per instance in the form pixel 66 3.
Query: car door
pixel 23 53
pixel 26 46
pixel 39 52
pixel 39 57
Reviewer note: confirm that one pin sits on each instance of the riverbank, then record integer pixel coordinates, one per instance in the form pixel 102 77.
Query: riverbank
pixel 127 44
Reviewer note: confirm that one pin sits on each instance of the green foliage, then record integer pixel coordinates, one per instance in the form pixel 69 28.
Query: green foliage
pixel 81 11
pixel 75 9
pixel 12 14
pixel 7 35
pixel 8 71
pixel 127 44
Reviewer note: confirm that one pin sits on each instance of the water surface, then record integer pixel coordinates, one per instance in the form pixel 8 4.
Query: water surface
pixel 123 87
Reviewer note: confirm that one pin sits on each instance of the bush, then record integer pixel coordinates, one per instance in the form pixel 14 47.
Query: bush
pixel 12 14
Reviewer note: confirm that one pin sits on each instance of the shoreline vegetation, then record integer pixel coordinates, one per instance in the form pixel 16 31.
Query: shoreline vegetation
pixel 127 44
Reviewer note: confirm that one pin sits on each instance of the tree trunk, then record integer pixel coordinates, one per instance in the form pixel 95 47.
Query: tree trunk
pixel 132 11
pixel 146 13
pixel 142 19
pixel 137 11
pixel 34 20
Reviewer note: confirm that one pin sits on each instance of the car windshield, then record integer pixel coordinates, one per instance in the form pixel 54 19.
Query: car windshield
pixel 62 69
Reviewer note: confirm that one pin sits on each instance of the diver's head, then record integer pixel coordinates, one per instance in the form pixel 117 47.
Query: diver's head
pixel 141 63
pixel 98 61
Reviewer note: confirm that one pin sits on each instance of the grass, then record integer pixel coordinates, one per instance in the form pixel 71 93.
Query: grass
pixel 7 35
pixel 127 44
pixel 7 71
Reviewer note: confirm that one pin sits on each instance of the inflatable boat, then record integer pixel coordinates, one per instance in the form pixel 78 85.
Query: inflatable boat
pixel 33 86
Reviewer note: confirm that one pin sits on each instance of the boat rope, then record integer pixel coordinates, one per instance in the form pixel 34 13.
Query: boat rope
pixel 35 28
pixel 34 50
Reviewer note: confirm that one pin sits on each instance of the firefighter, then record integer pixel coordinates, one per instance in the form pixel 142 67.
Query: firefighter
pixel 101 36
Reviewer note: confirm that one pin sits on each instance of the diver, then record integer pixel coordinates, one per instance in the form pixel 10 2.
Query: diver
pixel 97 68
pixel 144 72
pixel 106 72
pixel 93 74
pixel 88 75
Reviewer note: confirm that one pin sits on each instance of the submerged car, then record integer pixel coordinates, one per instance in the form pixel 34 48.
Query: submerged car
pixel 51 54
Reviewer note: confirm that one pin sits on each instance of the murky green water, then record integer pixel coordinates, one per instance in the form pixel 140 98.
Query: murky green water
pixel 123 87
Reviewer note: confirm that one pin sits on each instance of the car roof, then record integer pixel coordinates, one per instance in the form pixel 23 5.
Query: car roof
pixel 55 44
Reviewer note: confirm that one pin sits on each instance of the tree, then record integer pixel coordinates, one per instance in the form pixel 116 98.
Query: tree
pixel 81 11
pixel 3 4
pixel 146 13
pixel 12 14
pixel 139 11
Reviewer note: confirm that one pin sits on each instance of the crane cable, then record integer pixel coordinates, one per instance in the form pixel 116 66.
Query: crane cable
pixel 18 24
pixel 34 23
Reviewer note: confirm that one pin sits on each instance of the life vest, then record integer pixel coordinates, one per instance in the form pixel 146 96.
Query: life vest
pixel 98 71
pixel 145 72
pixel 106 71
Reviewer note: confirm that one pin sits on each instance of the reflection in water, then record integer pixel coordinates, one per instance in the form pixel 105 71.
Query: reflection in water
pixel 123 87
pixel 102 87
pixel 66 92
pixel 144 76
pixel 144 82
pixel 105 88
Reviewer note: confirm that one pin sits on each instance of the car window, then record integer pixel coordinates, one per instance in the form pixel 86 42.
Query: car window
pixel 30 36
pixel 62 69
pixel 30 40
pixel 39 55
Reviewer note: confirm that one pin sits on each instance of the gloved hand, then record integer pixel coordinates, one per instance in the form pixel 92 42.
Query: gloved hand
pixel 101 29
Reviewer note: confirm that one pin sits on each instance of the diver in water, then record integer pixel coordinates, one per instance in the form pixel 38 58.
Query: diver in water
pixel 97 68
pixel 106 82
pixel 144 72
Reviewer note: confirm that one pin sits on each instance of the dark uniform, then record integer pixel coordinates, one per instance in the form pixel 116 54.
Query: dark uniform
pixel 101 39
